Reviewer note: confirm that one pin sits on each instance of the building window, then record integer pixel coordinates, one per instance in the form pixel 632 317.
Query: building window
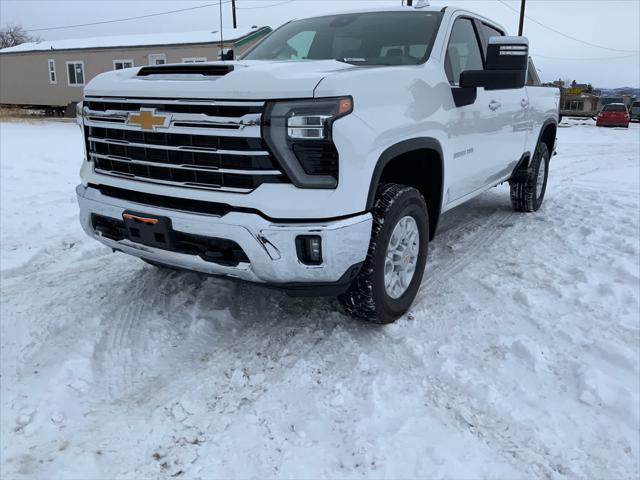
pixel 75 73
pixel 120 64
pixel 194 60
pixel 157 59
pixel 574 105
pixel 52 71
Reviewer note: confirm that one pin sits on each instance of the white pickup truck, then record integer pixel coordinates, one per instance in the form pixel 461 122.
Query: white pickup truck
pixel 320 161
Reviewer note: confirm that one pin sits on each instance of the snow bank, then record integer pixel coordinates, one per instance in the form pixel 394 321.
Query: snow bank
pixel 519 359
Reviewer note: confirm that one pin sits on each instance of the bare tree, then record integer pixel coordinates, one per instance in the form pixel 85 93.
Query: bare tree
pixel 13 35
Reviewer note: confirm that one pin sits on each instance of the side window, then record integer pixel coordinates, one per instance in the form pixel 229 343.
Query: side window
pixel 487 33
pixel 157 59
pixel 532 75
pixel 121 64
pixel 52 71
pixel 75 73
pixel 463 51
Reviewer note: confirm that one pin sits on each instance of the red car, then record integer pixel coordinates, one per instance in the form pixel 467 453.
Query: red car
pixel 613 115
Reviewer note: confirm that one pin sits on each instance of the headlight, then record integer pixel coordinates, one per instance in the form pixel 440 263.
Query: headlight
pixel 299 133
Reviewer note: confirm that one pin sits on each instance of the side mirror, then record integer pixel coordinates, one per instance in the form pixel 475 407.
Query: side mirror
pixel 505 67
pixel 226 54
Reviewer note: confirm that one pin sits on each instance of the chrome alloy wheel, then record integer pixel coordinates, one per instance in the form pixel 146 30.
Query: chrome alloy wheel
pixel 540 180
pixel 402 257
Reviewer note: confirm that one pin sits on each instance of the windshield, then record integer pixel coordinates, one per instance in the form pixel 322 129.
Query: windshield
pixel 375 38
pixel 615 108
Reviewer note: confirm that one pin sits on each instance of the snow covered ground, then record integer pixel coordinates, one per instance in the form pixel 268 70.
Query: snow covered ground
pixel 520 358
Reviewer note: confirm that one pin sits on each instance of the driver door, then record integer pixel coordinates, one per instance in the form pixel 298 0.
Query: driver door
pixel 472 128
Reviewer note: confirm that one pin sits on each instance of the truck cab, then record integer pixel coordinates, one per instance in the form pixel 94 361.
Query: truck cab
pixel 320 161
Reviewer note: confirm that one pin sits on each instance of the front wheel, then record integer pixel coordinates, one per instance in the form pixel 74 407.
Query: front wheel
pixel 527 194
pixel 392 272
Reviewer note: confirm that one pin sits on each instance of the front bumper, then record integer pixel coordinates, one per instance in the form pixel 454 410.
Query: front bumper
pixel 270 247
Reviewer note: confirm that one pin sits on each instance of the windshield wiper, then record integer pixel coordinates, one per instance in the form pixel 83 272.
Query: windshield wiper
pixel 352 60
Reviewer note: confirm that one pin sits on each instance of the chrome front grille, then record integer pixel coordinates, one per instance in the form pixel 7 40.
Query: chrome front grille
pixel 206 144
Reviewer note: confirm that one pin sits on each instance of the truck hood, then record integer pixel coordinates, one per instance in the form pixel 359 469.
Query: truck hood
pixel 250 80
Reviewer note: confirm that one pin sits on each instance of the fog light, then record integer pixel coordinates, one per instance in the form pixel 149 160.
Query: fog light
pixel 309 249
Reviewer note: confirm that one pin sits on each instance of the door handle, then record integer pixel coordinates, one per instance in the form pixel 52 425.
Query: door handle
pixel 524 103
pixel 494 105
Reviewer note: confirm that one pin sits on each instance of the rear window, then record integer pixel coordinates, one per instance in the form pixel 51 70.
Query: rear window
pixel 635 104
pixel 615 108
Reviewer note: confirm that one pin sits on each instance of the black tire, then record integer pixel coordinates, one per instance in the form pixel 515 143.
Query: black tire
pixel 525 196
pixel 367 297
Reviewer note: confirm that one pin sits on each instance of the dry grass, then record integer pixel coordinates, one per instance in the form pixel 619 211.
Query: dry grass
pixel 9 114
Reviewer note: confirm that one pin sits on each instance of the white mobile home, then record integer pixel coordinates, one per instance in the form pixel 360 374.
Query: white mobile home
pixel 53 73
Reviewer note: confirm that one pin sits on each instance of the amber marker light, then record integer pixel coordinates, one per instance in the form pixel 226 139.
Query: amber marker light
pixel 345 106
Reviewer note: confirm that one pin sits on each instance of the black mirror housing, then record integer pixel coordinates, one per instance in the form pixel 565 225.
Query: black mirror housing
pixel 493 79
pixel 505 66
pixel 507 53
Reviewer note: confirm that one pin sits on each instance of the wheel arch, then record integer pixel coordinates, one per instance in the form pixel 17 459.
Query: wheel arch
pixel 547 134
pixel 419 163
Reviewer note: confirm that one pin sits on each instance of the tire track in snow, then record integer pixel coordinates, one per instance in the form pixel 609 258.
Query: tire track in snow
pixel 518 447
pixel 114 348
pixel 455 248
pixel 126 338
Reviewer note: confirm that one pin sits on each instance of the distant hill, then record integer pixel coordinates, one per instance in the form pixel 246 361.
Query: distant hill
pixel 617 92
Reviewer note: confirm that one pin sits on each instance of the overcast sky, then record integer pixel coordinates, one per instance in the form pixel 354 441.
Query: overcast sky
pixel 608 23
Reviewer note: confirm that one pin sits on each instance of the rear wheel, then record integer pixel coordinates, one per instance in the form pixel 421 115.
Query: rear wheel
pixel 527 194
pixel 392 272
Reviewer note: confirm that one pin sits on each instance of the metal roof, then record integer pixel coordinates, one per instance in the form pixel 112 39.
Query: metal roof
pixel 137 40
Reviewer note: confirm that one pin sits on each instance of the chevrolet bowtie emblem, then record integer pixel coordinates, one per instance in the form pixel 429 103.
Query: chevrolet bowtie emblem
pixel 147 119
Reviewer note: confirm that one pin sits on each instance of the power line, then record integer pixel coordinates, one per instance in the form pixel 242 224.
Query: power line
pixel 126 19
pixel 266 6
pixel 565 35
pixel 157 14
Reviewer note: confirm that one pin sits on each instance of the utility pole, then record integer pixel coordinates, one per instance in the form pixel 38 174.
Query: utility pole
pixel 521 18
pixel 233 9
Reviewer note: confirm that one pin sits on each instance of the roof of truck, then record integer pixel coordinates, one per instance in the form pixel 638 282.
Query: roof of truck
pixel 416 9
pixel 136 40
pixel 379 9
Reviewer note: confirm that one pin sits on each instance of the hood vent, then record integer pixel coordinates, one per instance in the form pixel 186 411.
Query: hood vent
pixel 186 69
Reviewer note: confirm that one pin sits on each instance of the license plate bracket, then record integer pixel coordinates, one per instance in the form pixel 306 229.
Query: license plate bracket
pixel 150 230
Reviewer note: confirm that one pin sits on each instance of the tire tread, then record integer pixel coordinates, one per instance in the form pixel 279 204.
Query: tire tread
pixel 523 192
pixel 358 300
